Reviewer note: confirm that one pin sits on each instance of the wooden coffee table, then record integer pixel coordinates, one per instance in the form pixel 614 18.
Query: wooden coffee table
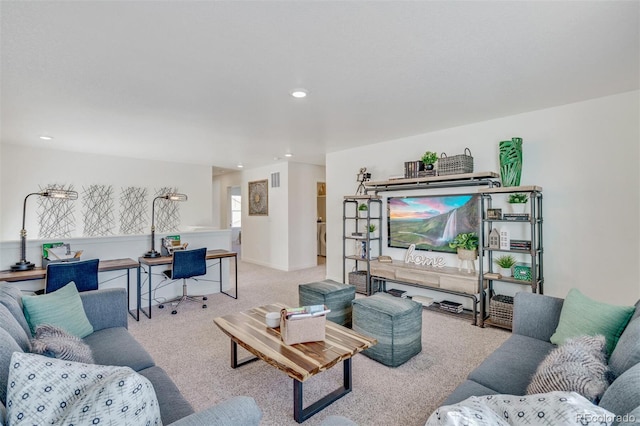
pixel 300 361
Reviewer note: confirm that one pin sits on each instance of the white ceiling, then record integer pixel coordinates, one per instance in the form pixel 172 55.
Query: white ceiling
pixel 208 82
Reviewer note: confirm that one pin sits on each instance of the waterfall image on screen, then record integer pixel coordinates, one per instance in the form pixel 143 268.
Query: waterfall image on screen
pixel 431 222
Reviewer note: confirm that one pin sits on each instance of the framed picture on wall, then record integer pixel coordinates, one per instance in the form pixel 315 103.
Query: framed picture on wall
pixel 259 198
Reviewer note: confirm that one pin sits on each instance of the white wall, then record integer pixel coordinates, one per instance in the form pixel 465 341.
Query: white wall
pixel 584 155
pixel 264 238
pixel 26 169
pixel 303 225
pixel 286 238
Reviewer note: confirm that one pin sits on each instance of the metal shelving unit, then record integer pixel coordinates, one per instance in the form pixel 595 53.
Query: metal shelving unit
pixel 353 223
pixel 533 230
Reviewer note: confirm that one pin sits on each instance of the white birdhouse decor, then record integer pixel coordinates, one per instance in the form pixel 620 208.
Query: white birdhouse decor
pixel 494 239
pixel 505 240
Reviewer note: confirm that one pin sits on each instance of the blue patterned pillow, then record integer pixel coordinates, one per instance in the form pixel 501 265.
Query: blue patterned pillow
pixel 45 390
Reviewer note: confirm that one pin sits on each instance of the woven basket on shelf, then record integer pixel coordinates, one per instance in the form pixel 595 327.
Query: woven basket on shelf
pixel 456 164
pixel 501 310
pixel 359 279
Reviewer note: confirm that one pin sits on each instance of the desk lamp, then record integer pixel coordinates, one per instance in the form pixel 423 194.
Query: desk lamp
pixel 171 196
pixel 62 194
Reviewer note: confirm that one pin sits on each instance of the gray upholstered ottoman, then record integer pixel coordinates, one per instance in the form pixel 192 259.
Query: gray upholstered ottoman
pixel 395 322
pixel 335 295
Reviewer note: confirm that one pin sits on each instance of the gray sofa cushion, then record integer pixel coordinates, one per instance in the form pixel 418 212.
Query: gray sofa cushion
pixel 11 297
pixel 116 346
pixel 467 389
pixel 173 406
pixel 9 323
pixel 7 347
pixel 509 369
pixel 240 410
pixel 627 351
pixel 623 395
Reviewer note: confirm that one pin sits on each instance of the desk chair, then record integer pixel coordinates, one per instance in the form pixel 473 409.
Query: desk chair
pixel 83 272
pixel 187 264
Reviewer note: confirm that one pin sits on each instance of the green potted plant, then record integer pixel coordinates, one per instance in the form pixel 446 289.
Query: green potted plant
pixel 505 263
pixel 518 202
pixel 466 244
pixel 429 158
pixel 372 229
pixel 362 210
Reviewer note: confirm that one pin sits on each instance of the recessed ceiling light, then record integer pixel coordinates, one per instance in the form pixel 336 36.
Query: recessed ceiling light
pixel 46 138
pixel 299 93
pixel 288 154
pixel 240 165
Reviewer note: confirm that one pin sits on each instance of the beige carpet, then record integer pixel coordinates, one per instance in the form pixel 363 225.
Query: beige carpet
pixel 195 353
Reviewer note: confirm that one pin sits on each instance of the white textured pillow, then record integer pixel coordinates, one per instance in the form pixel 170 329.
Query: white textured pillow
pixel 553 408
pixel 45 390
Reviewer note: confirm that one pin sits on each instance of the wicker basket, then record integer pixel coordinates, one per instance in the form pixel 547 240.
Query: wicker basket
pixel 456 164
pixel 501 310
pixel 359 279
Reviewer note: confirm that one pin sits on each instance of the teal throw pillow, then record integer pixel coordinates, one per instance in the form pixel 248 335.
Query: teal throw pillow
pixel 581 316
pixel 62 308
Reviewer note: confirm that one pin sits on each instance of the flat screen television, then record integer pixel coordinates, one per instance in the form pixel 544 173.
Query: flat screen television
pixel 431 221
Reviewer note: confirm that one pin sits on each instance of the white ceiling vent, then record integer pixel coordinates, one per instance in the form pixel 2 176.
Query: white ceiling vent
pixel 275 180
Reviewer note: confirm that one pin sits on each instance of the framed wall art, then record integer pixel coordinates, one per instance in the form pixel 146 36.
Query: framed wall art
pixel 259 198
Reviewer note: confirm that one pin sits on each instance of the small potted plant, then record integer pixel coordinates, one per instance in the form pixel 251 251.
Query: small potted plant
pixel 505 263
pixel 466 245
pixel 518 202
pixel 372 230
pixel 429 158
pixel 363 210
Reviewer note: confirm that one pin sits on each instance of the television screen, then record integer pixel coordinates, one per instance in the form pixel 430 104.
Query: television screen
pixel 431 222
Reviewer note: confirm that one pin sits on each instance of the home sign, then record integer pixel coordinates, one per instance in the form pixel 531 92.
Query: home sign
pixel 420 259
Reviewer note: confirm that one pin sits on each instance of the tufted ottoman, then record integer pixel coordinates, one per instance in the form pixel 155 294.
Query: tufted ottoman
pixel 395 322
pixel 335 295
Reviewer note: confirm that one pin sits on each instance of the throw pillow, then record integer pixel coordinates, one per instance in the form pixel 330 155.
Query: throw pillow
pixel 54 342
pixel 51 391
pixel 627 351
pixel 555 408
pixel 581 315
pixel 62 308
pixel 579 365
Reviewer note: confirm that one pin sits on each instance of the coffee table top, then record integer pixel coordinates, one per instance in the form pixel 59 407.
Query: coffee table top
pixel 300 361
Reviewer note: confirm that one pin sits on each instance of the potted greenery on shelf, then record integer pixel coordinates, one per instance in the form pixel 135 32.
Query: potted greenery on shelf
pixel 429 158
pixel 518 202
pixel 362 210
pixel 372 230
pixel 467 245
pixel 505 263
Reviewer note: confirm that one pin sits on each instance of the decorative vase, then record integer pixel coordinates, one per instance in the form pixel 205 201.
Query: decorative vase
pixel 518 207
pixel 511 162
pixel 464 254
pixel 505 272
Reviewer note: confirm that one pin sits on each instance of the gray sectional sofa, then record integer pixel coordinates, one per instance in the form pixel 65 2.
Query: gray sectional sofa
pixel 112 344
pixel 509 369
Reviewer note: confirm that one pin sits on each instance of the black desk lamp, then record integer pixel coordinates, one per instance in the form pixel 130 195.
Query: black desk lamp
pixel 171 196
pixel 62 194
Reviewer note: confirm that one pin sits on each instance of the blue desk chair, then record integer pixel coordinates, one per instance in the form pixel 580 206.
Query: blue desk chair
pixel 83 272
pixel 187 264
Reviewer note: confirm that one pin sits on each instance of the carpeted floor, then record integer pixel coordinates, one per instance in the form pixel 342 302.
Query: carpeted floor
pixel 195 353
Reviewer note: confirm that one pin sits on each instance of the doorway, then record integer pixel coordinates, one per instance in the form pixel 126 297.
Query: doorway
pixel 234 201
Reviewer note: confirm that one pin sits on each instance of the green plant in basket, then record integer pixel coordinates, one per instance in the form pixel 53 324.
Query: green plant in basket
pixel 506 261
pixel 518 198
pixel 429 157
pixel 465 241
